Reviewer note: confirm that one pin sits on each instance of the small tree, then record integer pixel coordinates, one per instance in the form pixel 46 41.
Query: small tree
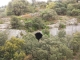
pixel 17 7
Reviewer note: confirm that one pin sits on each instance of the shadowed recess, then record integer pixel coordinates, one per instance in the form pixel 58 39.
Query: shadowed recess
pixel 38 35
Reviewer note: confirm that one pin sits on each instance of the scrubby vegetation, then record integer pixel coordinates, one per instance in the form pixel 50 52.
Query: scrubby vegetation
pixel 59 47
pixel 34 17
pixel 49 14
pixel 34 24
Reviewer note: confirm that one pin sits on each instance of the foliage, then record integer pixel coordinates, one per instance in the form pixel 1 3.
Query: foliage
pixel 31 9
pixel 73 9
pixel 62 25
pixel 60 8
pixel 51 5
pixel 17 7
pixel 61 11
pixel 76 5
pixel 2 12
pixel 70 7
pixel 75 12
pixel 35 24
pixel 15 23
pixel 41 5
pixel 46 31
pixel 48 48
pixel 69 13
pixel 3 37
pixel 12 49
pixel 71 1
pixel 49 14
pixel 60 4
pixel 61 33
pixel 38 23
pixel 75 43
pixel 59 47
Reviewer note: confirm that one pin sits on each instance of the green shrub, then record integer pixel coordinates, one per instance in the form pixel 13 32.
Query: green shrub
pixel 15 23
pixel 62 25
pixel 60 4
pixel 69 12
pixel 35 24
pixel 73 9
pixel 46 31
pixel 75 12
pixel 48 48
pixel 58 10
pixel 38 23
pixel 28 25
pixel 3 37
pixel 61 33
pixel 61 10
pixel 76 5
pixel 49 14
pixel 70 7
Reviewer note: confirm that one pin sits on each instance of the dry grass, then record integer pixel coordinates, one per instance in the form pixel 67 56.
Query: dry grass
pixel 65 17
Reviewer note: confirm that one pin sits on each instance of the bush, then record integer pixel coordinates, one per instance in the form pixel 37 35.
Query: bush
pixel 35 24
pixel 61 10
pixel 75 12
pixel 49 14
pixel 73 9
pixel 13 49
pixel 60 4
pixel 61 33
pixel 62 25
pixel 70 7
pixel 58 10
pixel 15 23
pixel 48 48
pixel 28 25
pixel 51 5
pixel 38 23
pixel 46 31
pixel 76 6
pixel 69 12
pixel 3 38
